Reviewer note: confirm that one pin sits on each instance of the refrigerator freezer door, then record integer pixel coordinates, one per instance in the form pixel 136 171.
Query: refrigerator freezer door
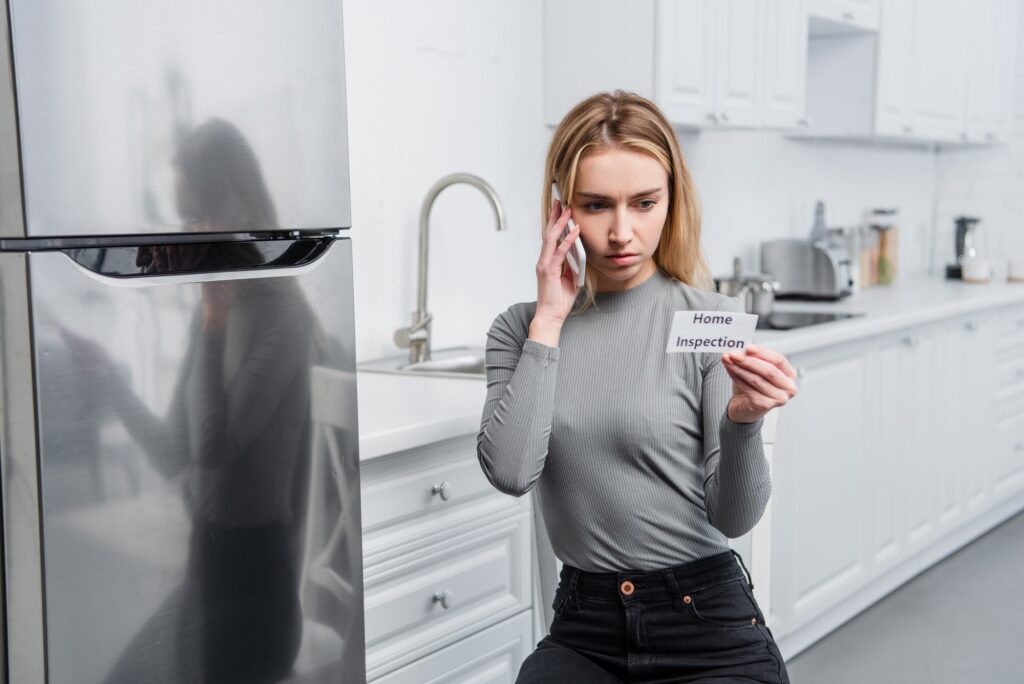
pixel 131 113
pixel 199 471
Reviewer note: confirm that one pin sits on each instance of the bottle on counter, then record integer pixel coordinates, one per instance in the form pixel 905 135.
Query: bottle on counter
pixel 882 222
pixel 867 256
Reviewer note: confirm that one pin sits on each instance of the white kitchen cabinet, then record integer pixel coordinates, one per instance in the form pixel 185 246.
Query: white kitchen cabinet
pixel 990 56
pixel 936 71
pixel 894 110
pixel 706 63
pixel 445 556
pixel 685 61
pixel 785 64
pixel 938 74
pixel 820 516
pixel 855 14
pixel 492 656
pixel 894 448
pixel 1008 405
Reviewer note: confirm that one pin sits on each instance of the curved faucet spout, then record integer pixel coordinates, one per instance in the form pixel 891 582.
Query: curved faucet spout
pixel 417 336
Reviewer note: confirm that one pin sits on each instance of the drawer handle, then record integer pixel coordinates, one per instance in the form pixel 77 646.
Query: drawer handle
pixel 443 490
pixel 445 598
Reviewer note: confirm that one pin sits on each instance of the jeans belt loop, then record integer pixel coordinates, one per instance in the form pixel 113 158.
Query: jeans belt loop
pixel 574 575
pixel 745 571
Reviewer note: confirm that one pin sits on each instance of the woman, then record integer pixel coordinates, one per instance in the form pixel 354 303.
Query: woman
pixel 643 462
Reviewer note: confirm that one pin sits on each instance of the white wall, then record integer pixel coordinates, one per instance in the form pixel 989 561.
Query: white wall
pixel 455 85
pixel 433 88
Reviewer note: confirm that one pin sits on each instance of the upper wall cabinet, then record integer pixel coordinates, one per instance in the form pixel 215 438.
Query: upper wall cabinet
pixel 706 63
pixel 936 71
pixel 831 16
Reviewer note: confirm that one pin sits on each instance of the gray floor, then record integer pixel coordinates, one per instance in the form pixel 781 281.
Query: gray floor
pixel 962 620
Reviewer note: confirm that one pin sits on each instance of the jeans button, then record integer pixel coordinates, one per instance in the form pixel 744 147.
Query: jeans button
pixel 626 588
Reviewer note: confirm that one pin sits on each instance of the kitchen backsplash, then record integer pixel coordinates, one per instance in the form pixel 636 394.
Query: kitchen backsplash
pixel 429 95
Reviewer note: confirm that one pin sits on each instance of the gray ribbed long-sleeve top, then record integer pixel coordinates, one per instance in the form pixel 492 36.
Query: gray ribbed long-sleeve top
pixel 629 448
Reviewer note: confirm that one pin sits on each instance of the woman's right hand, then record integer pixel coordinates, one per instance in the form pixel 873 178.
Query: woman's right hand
pixel 556 283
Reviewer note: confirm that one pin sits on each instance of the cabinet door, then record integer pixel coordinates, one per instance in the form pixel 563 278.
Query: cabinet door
pixel 1007 13
pixel 819 512
pixel 685 61
pixel 857 14
pixel 785 63
pixel 938 71
pixel 893 110
pixel 1007 404
pixel 979 95
pixel 886 461
pixel 739 57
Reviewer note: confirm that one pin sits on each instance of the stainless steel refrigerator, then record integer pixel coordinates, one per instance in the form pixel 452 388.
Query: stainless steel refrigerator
pixel 178 436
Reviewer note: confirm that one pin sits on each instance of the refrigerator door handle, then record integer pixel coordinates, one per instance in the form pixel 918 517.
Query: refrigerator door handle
pixel 148 265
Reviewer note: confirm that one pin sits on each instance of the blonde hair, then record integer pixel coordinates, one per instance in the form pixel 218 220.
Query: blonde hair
pixel 627 120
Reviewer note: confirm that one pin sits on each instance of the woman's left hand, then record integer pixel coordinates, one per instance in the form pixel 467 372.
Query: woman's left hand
pixel 762 379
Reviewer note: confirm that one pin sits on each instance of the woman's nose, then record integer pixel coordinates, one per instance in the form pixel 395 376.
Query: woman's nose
pixel 621 232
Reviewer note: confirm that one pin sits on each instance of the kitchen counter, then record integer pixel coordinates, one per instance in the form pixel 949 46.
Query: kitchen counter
pixel 398 412
pixel 909 302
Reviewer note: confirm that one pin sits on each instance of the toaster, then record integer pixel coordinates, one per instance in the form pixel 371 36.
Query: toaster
pixel 806 269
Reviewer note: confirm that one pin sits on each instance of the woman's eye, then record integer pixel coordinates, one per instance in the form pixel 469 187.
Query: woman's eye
pixel 647 204
pixel 593 206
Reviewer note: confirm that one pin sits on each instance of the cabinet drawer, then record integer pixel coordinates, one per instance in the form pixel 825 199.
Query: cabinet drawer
pixel 1009 379
pixel 1010 333
pixel 1008 464
pixel 422 601
pixel 492 656
pixel 411 484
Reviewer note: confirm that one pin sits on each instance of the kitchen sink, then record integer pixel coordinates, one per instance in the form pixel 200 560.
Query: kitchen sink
pixel 453 362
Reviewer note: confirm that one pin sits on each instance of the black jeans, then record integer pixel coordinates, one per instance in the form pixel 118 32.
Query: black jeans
pixel 697 622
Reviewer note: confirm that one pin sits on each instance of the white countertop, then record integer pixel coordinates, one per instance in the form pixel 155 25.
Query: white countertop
pixel 398 412
pixel 907 303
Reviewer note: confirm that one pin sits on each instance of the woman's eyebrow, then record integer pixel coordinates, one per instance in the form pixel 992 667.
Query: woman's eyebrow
pixel 595 195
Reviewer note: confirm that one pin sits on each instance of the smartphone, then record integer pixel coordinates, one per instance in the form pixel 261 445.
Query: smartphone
pixel 577 256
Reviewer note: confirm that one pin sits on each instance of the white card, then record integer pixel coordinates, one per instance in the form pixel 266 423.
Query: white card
pixel 711 331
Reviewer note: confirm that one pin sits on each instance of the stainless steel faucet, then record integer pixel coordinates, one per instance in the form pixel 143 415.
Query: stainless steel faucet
pixel 417 336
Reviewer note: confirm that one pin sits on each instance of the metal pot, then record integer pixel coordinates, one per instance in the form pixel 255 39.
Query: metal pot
pixel 755 290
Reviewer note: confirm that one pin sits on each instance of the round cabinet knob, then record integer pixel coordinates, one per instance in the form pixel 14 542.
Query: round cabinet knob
pixel 1019 446
pixel 971 326
pixel 1020 373
pixel 445 598
pixel 443 490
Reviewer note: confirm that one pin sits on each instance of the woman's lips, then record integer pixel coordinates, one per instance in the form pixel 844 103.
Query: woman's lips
pixel 624 260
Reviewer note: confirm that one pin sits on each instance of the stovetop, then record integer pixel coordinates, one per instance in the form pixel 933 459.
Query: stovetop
pixel 788 320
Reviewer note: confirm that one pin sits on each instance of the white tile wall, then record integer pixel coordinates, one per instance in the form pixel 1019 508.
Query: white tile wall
pixel 455 85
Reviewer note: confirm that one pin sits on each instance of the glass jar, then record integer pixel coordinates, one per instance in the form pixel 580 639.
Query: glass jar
pixel 883 225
